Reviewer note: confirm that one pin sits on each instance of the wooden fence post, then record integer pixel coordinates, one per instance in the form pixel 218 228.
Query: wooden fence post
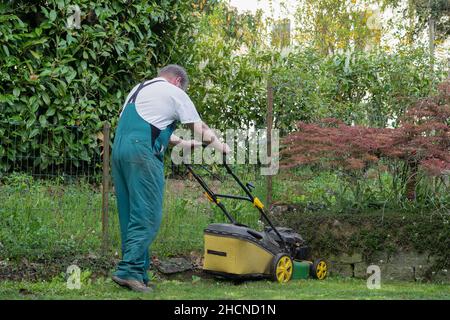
pixel 448 66
pixel 105 188
pixel 269 122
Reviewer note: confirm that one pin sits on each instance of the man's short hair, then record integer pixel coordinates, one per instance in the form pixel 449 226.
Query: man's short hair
pixel 176 71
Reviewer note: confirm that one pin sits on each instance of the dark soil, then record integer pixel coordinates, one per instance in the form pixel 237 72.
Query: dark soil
pixel 99 266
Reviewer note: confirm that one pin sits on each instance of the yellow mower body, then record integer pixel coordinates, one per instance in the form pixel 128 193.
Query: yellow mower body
pixel 238 251
pixel 233 256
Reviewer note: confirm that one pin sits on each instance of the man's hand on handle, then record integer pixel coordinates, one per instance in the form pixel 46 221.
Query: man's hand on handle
pixel 225 149
pixel 191 144
pixel 209 137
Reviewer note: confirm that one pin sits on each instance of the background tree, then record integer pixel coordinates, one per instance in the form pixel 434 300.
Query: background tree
pixel 334 25
pixel 419 13
pixel 227 68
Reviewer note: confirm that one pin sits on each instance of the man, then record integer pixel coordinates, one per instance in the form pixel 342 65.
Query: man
pixel 145 129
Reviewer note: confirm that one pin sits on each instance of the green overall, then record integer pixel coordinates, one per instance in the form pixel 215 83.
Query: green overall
pixel 138 174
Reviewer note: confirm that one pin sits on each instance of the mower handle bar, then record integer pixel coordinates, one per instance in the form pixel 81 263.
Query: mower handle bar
pixel 214 196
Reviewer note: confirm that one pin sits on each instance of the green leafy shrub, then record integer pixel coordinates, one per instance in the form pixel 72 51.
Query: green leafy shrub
pixel 59 84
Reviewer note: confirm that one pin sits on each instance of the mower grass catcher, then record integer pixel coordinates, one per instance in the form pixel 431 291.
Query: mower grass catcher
pixel 235 251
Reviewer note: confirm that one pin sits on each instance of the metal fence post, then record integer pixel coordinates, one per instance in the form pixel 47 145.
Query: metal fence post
pixel 105 188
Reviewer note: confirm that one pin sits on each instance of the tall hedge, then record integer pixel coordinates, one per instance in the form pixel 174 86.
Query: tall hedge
pixel 59 84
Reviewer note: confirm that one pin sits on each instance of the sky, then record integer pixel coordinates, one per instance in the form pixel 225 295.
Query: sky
pixel 253 5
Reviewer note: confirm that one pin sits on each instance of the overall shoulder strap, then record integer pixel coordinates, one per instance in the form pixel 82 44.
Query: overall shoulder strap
pixel 141 86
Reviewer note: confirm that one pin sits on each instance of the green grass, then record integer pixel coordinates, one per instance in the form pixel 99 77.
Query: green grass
pixel 331 288
pixel 329 191
pixel 49 219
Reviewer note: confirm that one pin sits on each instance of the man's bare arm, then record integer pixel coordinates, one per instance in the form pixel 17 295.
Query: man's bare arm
pixel 208 136
pixel 175 140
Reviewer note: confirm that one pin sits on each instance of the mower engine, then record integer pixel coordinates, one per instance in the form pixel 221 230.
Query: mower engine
pixel 294 241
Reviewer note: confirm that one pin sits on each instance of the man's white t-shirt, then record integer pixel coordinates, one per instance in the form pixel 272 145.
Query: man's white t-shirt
pixel 161 103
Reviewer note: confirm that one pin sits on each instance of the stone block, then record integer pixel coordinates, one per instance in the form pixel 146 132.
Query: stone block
pixel 397 272
pixel 346 259
pixel 360 270
pixel 339 269
pixel 379 259
pixel 400 266
pixel 442 275
pixel 407 258
pixel 403 261
pixel 403 265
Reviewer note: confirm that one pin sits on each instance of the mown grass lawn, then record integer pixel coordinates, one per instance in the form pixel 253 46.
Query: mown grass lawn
pixel 332 288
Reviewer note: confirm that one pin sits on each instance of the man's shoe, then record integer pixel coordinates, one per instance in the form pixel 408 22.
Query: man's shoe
pixel 133 285
pixel 119 281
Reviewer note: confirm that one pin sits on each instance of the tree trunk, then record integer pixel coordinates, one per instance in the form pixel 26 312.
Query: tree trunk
pixel 411 182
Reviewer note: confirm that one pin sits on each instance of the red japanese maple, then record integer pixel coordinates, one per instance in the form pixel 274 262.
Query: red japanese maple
pixel 421 141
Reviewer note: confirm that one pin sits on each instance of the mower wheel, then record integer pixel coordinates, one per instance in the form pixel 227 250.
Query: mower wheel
pixel 319 269
pixel 282 268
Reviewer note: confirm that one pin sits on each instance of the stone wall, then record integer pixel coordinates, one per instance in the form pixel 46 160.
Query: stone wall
pixel 403 265
pixel 406 246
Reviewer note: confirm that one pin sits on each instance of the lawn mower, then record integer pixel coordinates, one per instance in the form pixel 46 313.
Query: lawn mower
pixel 233 250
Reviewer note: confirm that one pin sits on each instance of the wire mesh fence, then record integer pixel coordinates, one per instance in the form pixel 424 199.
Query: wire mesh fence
pixel 50 151
pixel 50 204
pixel 57 196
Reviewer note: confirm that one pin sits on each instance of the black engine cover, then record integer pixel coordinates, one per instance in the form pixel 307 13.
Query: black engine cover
pixel 297 246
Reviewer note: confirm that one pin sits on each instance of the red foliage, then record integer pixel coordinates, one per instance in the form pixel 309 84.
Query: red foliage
pixel 422 139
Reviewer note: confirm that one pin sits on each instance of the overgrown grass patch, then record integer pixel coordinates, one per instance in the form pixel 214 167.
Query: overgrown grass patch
pixel 48 219
pixel 53 219
pixel 331 288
